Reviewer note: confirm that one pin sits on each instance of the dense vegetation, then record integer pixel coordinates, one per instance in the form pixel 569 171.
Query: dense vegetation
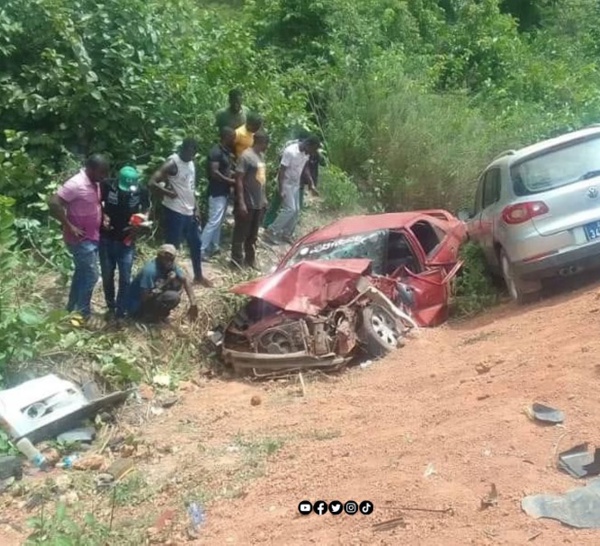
pixel 412 97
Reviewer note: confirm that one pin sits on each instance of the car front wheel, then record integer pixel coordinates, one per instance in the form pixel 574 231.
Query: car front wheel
pixel 379 331
pixel 520 291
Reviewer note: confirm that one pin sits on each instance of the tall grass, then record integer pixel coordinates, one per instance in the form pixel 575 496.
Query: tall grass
pixel 408 147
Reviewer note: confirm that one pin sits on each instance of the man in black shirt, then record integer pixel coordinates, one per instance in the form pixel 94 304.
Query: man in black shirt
pixel 120 200
pixel 219 171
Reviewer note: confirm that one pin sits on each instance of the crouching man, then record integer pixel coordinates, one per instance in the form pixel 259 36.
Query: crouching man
pixel 156 290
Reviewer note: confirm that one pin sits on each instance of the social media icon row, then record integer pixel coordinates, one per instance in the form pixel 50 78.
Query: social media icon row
pixel 335 507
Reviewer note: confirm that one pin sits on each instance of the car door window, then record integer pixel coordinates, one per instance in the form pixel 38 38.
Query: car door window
pixel 478 196
pixel 491 188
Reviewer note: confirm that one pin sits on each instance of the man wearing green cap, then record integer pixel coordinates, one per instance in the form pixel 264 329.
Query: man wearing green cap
pixel 121 199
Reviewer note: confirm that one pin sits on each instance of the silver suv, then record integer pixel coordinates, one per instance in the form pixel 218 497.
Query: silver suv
pixel 537 211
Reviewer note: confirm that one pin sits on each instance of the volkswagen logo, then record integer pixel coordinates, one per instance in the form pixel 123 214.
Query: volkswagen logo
pixel 592 192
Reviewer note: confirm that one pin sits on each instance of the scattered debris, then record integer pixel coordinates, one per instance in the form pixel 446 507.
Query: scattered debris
pixel 162 380
pixel 429 471
pixel 579 462
pixel 156 411
pixel 364 365
pixel 483 397
pixel 389 524
pixel 255 400
pixel 90 462
pixel 533 537
pixel 197 517
pixel 68 461
pixel 491 499
pixel 32 453
pixel 84 434
pixel 545 414
pixel 44 407
pixel 579 508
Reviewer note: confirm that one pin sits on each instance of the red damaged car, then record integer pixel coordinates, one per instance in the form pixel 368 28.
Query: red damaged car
pixel 357 284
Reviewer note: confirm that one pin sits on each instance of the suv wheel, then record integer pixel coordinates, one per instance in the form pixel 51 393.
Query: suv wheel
pixel 519 290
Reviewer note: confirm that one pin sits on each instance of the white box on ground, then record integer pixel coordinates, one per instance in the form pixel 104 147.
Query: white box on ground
pixel 37 403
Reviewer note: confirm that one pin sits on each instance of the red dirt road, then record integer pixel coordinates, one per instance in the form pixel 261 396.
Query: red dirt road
pixel 452 398
pixel 371 434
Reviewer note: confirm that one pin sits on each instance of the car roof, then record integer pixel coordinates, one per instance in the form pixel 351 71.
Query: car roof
pixel 512 156
pixel 354 225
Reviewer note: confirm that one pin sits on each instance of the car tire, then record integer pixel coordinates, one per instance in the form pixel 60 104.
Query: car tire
pixel 521 291
pixel 378 331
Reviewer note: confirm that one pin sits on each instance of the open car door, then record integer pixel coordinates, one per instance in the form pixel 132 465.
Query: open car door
pixel 430 285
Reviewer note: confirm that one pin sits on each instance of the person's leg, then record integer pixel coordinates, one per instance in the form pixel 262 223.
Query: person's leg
pixel 217 207
pixel 255 220
pixel 280 226
pixel 159 307
pixel 85 256
pixel 272 211
pixel 174 225
pixel 210 228
pixel 125 257
pixel 294 220
pixel 108 261
pixel 222 207
pixel 75 281
pixel 240 232
pixel 192 235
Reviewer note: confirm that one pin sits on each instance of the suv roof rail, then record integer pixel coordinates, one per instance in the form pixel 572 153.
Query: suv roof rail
pixel 506 152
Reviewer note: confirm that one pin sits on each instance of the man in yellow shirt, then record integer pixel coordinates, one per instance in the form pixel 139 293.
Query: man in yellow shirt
pixel 244 135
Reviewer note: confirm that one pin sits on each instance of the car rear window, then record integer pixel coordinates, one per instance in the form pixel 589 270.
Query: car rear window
pixel 370 246
pixel 558 167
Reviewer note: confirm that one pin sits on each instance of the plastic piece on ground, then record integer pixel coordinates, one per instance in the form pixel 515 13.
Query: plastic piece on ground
pixel 547 414
pixel 85 434
pixel 197 515
pixel 579 508
pixel 579 462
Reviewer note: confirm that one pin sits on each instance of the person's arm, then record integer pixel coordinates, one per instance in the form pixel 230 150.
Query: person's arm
pixel 169 168
pixel 240 172
pixel 57 206
pixel 309 179
pixel 147 284
pixel 193 310
pixel 214 172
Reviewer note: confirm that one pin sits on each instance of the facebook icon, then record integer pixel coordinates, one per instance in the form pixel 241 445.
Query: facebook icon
pixel 320 507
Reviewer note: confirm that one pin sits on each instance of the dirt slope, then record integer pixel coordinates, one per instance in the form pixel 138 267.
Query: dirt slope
pixel 452 398
pixel 371 434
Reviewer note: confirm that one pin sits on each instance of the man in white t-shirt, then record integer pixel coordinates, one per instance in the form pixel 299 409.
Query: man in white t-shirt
pixel 294 162
pixel 175 182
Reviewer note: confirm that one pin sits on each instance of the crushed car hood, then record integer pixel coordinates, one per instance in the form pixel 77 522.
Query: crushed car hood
pixel 308 287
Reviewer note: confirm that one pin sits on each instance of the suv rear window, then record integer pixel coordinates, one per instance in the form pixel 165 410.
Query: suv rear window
pixel 558 167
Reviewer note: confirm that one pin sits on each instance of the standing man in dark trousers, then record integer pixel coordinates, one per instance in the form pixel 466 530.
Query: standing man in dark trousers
pixel 250 202
pixel 175 182
pixel 121 199
pixel 220 185
pixel 77 206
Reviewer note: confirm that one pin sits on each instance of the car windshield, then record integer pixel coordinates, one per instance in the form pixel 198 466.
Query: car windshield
pixel 557 168
pixel 370 246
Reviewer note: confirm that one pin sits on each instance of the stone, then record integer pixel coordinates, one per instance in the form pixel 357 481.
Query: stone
pixel 255 400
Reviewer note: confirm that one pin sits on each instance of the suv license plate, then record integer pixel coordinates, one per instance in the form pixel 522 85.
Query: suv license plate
pixel 592 230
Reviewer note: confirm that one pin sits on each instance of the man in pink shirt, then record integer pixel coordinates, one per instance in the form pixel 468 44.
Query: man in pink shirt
pixel 77 206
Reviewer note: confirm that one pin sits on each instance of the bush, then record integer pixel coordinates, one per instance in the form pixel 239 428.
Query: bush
pixel 339 192
pixel 474 288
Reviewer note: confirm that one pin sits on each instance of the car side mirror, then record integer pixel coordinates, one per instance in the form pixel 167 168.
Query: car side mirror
pixel 464 215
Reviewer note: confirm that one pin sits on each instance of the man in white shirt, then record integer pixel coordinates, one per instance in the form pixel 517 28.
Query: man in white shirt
pixel 175 182
pixel 294 162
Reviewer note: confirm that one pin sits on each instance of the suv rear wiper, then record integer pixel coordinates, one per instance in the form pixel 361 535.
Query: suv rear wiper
pixel 589 174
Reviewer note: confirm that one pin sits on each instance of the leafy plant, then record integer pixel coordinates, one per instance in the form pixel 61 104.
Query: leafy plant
pixel 474 289
pixel 61 529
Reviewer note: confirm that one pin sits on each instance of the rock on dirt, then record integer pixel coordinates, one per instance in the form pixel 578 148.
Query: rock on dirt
pixel 256 400
pixel 90 462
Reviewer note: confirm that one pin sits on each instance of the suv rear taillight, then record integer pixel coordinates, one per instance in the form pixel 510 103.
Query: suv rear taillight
pixel 521 212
